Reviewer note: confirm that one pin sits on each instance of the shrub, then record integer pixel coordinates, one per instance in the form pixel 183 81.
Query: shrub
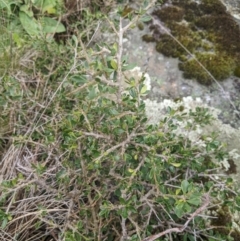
pixel 84 162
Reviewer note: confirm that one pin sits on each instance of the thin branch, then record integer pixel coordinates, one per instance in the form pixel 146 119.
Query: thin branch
pixel 96 135
pixel 206 199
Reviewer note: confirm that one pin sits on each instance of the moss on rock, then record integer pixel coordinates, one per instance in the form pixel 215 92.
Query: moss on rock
pixel 237 71
pixel 169 47
pixel 212 7
pixel 219 65
pixel 185 38
pixel 220 24
pixel 210 30
pixel 140 25
pixel 192 11
pixel 179 29
pixel 148 38
pixel 171 13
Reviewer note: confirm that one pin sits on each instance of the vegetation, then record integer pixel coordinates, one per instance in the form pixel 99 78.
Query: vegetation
pixel 79 157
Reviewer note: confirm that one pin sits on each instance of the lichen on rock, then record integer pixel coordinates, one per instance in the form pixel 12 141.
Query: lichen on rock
pixel 226 134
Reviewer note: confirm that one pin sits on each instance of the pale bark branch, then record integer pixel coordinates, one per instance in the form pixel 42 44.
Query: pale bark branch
pixel 206 202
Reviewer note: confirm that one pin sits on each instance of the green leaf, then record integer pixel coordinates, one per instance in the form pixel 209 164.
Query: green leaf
pixel 128 67
pixel 187 208
pixel 104 212
pixel 74 37
pixel 25 8
pixel 114 49
pixel 118 131
pixel 144 89
pixel 45 5
pixel 50 25
pixel 127 157
pixel 4 223
pixel 189 237
pixel 195 201
pixel 79 79
pixel 178 191
pixel 114 64
pixel 145 18
pixel 5 4
pixel 132 209
pixel 113 111
pixel 179 211
pixel 133 93
pixel 48 6
pixel 29 24
pixel 184 186
pixel 124 213
pixel 92 94
pixel 17 40
pixel 176 164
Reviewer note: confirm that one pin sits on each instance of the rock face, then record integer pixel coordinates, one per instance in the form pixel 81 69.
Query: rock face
pixel 233 7
pixel 201 34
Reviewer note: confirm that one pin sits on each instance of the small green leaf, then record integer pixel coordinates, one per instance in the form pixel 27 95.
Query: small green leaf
pixel 187 208
pixel 144 89
pixel 133 93
pixel 25 8
pixel 195 201
pixel 113 111
pixel 45 5
pixel 184 186
pixel 92 94
pixel 176 164
pixel 127 157
pixel 114 64
pixel 50 10
pixel 79 79
pixel 74 37
pixel 17 40
pixel 145 18
pixel 128 67
pixel 4 223
pixel 48 6
pixel 29 24
pixel 5 4
pixel 179 211
pixel 178 191
pixel 115 48
pixel 131 170
pixel 124 213
pixel 104 212
pixel 50 25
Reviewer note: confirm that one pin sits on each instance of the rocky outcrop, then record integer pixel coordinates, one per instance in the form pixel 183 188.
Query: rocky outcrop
pixel 233 7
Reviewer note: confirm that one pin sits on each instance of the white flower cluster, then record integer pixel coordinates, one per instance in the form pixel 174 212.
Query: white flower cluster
pixel 137 75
